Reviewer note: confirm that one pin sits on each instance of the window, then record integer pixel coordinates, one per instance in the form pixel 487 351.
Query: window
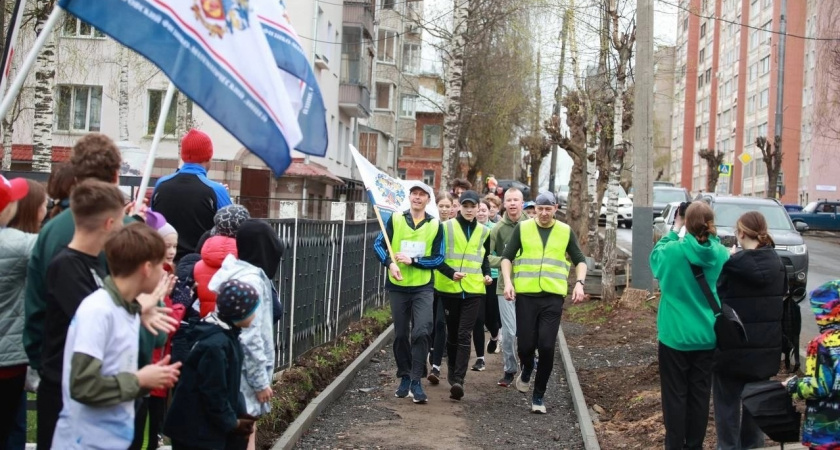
pixel 762 130
pixel 725 119
pixel 751 104
pixel 411 58
pixel 431 136
pixel 388 4
pixel 702 54
pixel 708 75
pixel 763 98
pixel 429 177
pixel 766 3
pixel 753 72
pixel 685 24
pixel 700 81
pixel 79 108
pixel 702 30
pixel 765 30
pixel 155 103
pixel 408 105
pixel 764 65
pixel 383 96
pixel 74 27
pixel 386 45
pixel 697 131
pixel 755 36
pixel 401 174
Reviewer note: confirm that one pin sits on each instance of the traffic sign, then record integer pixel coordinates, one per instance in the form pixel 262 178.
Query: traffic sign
pixel 725 170
pixel 745 158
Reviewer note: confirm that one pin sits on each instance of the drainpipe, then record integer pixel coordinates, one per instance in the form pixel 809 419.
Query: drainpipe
pixel 315 28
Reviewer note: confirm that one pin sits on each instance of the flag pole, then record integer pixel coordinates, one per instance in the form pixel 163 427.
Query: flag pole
pixel 384 233
pixel 20 77
pixel 150 160
pixel 11 41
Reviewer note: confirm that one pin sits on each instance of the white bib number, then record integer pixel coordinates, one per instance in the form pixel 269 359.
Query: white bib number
pixel 413 249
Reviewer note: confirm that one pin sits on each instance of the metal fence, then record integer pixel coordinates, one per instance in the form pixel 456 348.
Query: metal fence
pixel 328 277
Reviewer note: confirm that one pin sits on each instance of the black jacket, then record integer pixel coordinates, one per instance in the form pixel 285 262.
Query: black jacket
pixel 753 283
pixel 207 401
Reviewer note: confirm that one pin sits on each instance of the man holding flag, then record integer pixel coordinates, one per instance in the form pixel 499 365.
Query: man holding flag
pixel 411 247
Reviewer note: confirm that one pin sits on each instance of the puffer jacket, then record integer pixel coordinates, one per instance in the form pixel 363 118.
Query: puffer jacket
pixel 212 254
pixel 257 340
pixel 15 249
pixel 752 282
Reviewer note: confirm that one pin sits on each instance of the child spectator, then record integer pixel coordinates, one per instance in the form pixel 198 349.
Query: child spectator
pixel 32 209
pixel 206 412
pixel 184 294
pixel 59 185
pixel 73 274
pixel 820 387
pixel 100 379
pixel 259 251
pixel 214 251
pixel 15 248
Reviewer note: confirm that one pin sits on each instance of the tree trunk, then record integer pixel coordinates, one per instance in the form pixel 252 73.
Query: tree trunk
pixel 7 144
pixel 44 88
pixel 616 164
pixel 591 197
pixel 123 95
pixel 182 117
pixel 454 72
pixel 713 161
pixel 772 157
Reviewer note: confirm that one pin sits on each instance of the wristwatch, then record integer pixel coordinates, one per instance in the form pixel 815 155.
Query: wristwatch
pixel 414 260
pixel 581 282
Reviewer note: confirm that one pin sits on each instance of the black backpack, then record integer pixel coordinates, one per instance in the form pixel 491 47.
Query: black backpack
pixel 771 407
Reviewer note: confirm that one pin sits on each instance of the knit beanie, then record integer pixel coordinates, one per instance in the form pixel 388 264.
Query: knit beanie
pixel 236 301
pixel 825 302
pixel 196 147
pixel 228 220
pixel 166 230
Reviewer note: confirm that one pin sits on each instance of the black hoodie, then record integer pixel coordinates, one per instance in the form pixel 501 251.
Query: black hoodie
pixel 257 244
pixel 753 283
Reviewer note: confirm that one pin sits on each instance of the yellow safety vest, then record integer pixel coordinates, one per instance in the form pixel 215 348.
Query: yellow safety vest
pixel 464 256
pixel 415 243
pixel 542 268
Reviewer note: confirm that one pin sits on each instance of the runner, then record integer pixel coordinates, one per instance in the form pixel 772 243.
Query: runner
pixel 417 241
pixel 536 254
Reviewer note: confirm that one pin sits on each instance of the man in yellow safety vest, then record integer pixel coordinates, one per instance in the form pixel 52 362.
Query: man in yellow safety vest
pixel 468 271
pixel 536 257
pixel 417 242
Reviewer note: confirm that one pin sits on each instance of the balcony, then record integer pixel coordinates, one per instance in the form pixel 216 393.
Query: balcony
pixel 357 12
pixel 354 100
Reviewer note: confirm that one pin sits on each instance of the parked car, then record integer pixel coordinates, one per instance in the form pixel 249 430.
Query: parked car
pixel 663 224
pixel 663 195
pixel 819 215
pixel 663 184
pixel 789 242
pixel 625 209
pixel 793 208
pixel 507 184
pixel 563 195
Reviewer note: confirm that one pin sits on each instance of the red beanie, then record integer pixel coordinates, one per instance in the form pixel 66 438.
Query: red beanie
pixel 196 147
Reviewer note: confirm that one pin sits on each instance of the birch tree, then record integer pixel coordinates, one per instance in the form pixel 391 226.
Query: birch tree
pixel 122 96
pixel 454 74
pixel 44 88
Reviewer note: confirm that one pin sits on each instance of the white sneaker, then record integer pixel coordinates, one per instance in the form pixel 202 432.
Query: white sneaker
pixel 520 385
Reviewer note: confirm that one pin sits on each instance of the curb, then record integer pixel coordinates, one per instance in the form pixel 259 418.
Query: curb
pixel 587 430
pixel 296 430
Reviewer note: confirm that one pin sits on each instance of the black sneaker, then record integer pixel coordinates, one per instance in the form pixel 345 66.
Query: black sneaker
pixel 456 392
pixel 434 376
pixel 492 346
pixel 506 380
pixel 479 365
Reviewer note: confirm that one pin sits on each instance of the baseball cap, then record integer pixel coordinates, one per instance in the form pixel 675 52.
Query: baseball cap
pixel 546 199
pixel 469 196
pixel 420 185
pixel 528 204
pixel 12 190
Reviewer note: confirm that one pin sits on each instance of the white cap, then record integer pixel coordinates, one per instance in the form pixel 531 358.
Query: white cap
pixel 420 185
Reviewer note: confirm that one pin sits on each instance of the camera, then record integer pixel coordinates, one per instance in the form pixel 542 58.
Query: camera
pixel 682 208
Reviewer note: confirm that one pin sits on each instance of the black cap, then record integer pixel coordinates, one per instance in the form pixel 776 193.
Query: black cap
pixel 546 199
pixel 469 196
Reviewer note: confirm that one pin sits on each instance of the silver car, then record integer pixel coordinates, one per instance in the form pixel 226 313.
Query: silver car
pixel 662 224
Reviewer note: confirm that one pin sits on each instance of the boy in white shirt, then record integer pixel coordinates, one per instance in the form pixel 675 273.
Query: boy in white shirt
pixel 100 380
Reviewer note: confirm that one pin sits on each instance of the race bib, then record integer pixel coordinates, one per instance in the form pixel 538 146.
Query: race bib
pixel 413 249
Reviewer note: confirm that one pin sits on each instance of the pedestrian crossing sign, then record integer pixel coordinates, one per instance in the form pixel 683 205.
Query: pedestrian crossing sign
pixel 745 158
pixel 725 170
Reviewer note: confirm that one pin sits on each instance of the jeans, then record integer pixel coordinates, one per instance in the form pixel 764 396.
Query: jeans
pixel 686 379
pixel 735 428
pixel 507 312
pixel 412 314
pixel 461 315
pixel 438 332
pixel 537 325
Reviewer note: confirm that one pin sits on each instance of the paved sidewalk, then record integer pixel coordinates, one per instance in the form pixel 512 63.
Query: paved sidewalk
pixel 489 416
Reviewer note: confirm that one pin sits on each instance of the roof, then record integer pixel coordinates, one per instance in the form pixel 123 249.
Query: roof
pixel 21 152
pixel 299 168
pixel 430 101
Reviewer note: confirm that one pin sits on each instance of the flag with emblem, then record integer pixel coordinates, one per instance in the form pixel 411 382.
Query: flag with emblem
pixel 216 53
pixel 297 74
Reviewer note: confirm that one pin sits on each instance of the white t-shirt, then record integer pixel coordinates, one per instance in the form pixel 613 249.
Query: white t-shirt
pixel 109 333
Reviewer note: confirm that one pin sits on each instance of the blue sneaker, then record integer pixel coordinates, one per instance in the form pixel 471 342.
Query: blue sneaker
pixel 416 392
pixel 402 390
pixel 537 405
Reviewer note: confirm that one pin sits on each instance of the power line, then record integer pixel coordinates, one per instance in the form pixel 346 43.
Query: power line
pixel 720 19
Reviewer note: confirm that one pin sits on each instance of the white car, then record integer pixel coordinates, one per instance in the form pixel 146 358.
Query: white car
pixel 625 212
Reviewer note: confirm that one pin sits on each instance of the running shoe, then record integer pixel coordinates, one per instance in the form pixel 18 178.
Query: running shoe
pixel 506 380
pixel 492 346
pixel 479 365
pixel 537 405
pixel 434 376
pixel 523 382
pixel 403 389
pixel 416 392
pixel 456 392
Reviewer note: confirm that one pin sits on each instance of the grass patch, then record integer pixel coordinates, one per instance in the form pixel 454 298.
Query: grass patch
pixel 314 371
pixel 592 312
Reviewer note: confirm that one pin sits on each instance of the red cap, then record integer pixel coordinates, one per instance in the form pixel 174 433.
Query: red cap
pixel 12 190
pixel 196 147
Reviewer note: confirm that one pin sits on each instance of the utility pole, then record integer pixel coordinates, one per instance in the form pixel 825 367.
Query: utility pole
pixel 558 95
pixel 780 86
pixel 643 151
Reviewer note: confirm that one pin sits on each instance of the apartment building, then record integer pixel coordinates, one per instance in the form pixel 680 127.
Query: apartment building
pixel 663 105
pixel 725 92
pixel 819 162
pixel 423 159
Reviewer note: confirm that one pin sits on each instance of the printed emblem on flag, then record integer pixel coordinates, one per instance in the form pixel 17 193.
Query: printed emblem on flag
pixel 215 15
pixel 391 191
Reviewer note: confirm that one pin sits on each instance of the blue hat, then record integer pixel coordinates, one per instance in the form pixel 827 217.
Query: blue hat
pixel 236 301
pixel 529 205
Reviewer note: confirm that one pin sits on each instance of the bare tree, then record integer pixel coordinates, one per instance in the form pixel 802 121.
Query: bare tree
pixel 123 97
pixel 454 73
pixel 772 156
pixel 713 161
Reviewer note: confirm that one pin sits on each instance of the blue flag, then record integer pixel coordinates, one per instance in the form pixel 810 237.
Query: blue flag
pixel 215 53
pixel 298 74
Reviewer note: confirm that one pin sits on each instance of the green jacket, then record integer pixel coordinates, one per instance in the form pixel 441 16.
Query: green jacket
pixel 685 321
pixel 54 236
pixel 499 236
